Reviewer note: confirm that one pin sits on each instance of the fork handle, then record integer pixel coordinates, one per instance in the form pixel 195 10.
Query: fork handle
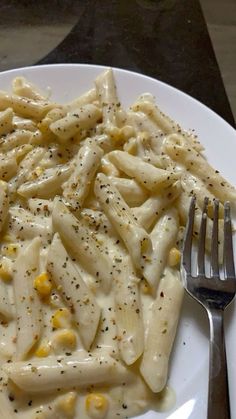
pixel 218 391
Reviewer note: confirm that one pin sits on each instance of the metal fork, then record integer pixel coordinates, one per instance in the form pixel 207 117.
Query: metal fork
pixel 214 294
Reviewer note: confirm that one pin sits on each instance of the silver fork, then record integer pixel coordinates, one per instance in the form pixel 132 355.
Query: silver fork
pixel 214 294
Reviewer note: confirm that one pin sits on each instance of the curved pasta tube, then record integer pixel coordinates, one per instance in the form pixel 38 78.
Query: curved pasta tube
pixel 30 108
pixel 79 370
pixel 154 206
pixel 6 125
pixel 196 164
pixel 128 310
pixel 106 92
pixel 83 244
pixel 85 117
pixel 167 125
pixel 48 184
pixel 86 98
pixel 52 116
pixel 22 87
pixel 120 215
pixel 74 291
pixel 28 310
pixel 163 237
pixel 76 189
pixel 161 331
pixel 146 174
pixel 24 124
pixel 26 226
pixel 15 139
pixel 25 167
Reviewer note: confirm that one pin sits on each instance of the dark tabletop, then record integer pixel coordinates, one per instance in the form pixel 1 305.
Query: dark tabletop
pixel 165 39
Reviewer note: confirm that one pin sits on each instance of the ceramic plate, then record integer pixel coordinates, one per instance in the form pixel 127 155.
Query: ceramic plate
pixel 189 364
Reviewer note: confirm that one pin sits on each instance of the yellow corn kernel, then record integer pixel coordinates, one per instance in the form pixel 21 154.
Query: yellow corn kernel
pixel 174 257
pixel 43 350
pixel 66 339
pixel 96 405
pixel 67 404
pixel 43 284
pixel 10 250
pixel 61 318
pixel 5 272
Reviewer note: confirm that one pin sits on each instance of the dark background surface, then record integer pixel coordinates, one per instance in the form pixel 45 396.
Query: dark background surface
pixel 165 39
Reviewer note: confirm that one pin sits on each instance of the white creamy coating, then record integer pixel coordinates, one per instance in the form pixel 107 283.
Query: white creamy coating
pixel 76 333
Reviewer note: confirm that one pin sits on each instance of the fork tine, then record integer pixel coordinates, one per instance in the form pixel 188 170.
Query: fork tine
pixel 188 238
pixel 214 242
pixel 228 258
pixel 202 239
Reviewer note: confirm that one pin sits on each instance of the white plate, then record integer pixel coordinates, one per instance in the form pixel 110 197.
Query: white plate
pixel 189 365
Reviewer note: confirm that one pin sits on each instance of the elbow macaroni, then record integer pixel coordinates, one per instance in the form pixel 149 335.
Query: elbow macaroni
pixel 92 202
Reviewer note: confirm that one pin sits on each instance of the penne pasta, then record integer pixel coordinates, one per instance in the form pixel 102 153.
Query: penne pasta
pixel 6 125
pixel 161 331
pixel 83 245
pixel 85 99
pixel 120 215
pixel 22 87
pixel 28 310
pixel 48 184
pixel 26 226
pixel 22 106
pixel 74 122
pixel 154 206
pixel 15 139
pixel 24 124
pixel 74 291
pixel 148 176
pixel 128 311
pixel 163 238
pixel 25 167
pixel 197 165
pixel 80 370
pixel 106 92
pixel 76 189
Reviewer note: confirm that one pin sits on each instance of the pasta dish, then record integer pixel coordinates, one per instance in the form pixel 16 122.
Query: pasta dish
pixel 93 202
